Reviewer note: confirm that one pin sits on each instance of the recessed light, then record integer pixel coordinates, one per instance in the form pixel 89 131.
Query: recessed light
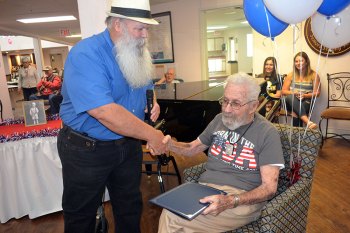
pixel 216 27
pixel 73 36
pixel 47 19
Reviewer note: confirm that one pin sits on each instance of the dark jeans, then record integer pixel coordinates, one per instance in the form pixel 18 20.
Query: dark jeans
pixel 300 109
pixel 88 170
pixel 55 103
pixel 28 92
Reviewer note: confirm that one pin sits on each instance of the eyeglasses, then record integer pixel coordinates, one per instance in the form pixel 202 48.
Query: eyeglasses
pixel 233 105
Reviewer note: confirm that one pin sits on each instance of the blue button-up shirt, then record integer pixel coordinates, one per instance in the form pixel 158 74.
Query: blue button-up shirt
pixel 92 78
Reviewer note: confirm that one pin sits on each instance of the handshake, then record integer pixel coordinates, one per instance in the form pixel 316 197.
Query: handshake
pixel 161 143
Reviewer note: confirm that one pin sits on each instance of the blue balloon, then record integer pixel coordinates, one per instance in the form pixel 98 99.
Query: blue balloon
pixel 258 19
pixel 332 7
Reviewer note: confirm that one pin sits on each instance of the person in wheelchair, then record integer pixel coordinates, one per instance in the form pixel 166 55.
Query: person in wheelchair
pixel 244 159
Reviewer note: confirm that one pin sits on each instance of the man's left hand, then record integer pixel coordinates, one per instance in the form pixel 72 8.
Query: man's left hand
pixel 155 112
pixel 218 203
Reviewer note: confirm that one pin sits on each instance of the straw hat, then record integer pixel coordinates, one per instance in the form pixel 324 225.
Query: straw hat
pixel 47 68
pixel 137 10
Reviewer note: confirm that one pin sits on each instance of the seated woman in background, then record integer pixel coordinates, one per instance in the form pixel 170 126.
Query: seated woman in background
pixel 299 91
pixel 270 75
pixel 273 85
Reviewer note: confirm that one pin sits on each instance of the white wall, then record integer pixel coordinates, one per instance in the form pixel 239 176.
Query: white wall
pixel 15 43
pixel 245 63
pixel 4 94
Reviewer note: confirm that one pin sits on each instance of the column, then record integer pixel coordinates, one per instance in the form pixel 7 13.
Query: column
pixel 38 52
pixel 92 15
pixel 4 93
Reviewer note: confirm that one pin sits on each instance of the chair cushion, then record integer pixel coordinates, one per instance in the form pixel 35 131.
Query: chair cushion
pixel 336 113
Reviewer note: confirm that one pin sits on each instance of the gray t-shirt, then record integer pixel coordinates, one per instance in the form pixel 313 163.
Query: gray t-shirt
pixel 235 157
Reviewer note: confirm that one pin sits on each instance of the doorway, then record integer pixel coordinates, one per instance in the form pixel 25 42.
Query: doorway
pixel 56 61
pixel 228 42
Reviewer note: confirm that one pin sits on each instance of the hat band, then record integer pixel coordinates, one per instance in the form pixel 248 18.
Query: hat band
pixel 131 12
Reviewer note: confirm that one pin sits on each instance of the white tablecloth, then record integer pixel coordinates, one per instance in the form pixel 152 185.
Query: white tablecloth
pixel 30 178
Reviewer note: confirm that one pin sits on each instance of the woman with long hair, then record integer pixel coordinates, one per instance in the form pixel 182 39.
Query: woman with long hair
pixel 271 76
pixel 300 90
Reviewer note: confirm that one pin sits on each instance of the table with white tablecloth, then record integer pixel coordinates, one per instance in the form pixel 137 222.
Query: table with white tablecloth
pixel 30 178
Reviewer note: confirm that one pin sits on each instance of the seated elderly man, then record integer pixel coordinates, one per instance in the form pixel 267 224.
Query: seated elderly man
pixel 48 87
pixel 169 77
pixel 244 159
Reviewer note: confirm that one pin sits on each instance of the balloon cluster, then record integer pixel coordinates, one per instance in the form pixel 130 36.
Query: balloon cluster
pixel 330 20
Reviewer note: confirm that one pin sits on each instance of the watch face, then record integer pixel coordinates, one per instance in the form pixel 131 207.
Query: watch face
pixel 315 45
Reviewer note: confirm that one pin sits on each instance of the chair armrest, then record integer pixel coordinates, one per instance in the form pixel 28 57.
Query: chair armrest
pixel 288 209
pixel 284 212
pixel 192 174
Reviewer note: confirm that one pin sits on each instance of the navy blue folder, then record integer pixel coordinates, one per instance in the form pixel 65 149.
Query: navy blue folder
pixel 184 199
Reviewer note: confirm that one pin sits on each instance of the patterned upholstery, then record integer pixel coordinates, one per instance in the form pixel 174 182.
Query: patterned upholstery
pixel 287 211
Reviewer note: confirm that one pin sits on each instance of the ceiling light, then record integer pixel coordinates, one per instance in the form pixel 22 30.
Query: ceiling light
pixel 216 27
pixel 73 36
pixel 47 19
pixel 230 13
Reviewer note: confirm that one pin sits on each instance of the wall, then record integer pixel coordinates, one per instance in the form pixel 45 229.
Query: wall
pixel 4 94
pixel 245 63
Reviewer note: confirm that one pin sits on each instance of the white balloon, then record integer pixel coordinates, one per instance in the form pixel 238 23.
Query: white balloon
pixel 292 11
pixel 333 32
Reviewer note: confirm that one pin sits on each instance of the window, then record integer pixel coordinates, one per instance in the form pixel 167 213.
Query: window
pixel 249 45
pixel 232 52
pixel 216 65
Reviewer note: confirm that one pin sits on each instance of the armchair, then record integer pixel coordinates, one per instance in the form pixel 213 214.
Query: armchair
pixel 287 211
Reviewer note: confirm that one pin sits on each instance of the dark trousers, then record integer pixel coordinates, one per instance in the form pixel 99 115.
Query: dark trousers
pixel 28 92
pixel 55 103
pixel 88 169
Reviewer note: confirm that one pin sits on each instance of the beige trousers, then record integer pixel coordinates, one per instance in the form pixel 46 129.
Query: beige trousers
pixel 227 220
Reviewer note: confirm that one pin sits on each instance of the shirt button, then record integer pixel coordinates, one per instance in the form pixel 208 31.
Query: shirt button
pixel 133 110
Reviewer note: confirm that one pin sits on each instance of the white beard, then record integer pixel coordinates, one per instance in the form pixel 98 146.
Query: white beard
pixel 134 60
pixel 232 122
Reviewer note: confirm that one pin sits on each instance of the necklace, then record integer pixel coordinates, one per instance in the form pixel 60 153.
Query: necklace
pixel 229 147
pixel 250 124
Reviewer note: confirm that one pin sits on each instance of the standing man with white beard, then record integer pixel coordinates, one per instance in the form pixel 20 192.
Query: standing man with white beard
pixel 244 159
pixel 104 99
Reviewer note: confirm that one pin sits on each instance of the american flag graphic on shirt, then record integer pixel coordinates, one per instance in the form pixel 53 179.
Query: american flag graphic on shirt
pixel 239 154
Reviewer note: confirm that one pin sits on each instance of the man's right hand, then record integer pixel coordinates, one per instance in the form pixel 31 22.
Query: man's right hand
pixel 155 143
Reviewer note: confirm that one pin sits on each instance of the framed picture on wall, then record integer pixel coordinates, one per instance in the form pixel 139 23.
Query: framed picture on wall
pixel 34 112
pixel 160 39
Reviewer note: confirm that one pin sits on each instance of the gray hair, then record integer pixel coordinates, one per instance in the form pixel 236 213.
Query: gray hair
pixel 110 21
pixel 253 88
pixel 25 59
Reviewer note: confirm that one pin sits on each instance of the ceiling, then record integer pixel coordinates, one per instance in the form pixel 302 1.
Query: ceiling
pixel 232 17
pixel 10 10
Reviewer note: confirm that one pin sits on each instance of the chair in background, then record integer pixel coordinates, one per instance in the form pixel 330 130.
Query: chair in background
pixel 287 210
pixel 338 105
